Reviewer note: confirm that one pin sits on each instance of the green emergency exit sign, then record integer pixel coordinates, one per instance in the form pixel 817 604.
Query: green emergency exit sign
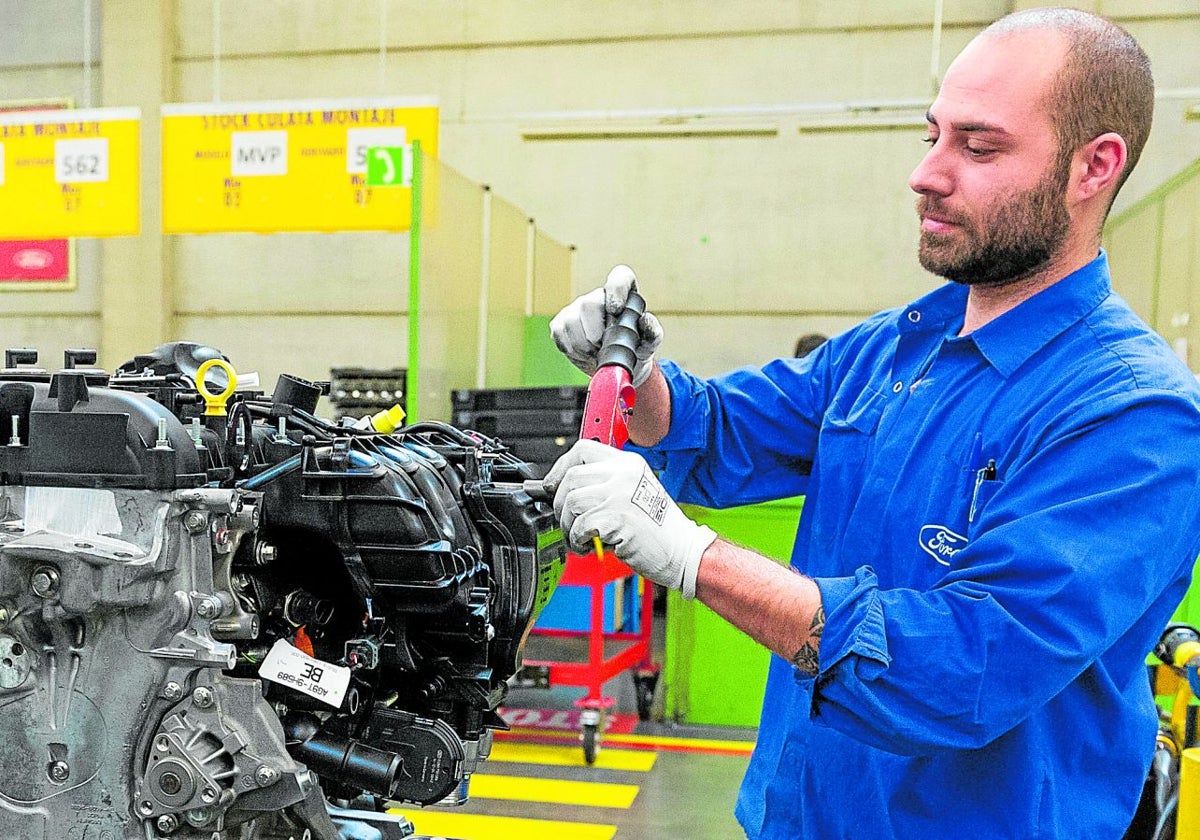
pixel 389 166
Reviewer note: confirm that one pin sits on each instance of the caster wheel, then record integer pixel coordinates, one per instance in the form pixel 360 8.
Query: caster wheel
pixel 591 742
pixel 644 683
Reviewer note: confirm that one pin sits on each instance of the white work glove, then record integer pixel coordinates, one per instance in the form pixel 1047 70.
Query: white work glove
pixel 579 326
pixel 614 495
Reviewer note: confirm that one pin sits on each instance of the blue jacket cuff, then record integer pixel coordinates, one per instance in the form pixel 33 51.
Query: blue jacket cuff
pixel 689 416
pixel 686 430
pixel 854 624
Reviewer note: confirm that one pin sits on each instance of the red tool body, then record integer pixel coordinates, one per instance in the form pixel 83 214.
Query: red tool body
pixel 610 394
pixel 610 399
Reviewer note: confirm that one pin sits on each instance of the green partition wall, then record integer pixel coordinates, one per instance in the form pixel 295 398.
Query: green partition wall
pixel 478 265
pixel 714 673
pixel 508 269
pixel 1154 249
pixel 444 294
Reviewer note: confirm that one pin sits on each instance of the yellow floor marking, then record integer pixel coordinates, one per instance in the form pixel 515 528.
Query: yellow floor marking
pixel 648 740
pixel 437 823
pixel 557 791
pixel 696 743
pixel 572 756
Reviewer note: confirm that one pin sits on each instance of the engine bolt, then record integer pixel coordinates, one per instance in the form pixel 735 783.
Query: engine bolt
pixel 4 616
pixel 208 795
pixel 162 743
pixel 145 808
pixel 172 691
pixel 202 697
pixel 59 771
pixel 167 823
pixel 195 520
pixel 199 816
pixel 208 608
pixel 170 784
pixel 266 775
pixel 44 582
pixel 265 553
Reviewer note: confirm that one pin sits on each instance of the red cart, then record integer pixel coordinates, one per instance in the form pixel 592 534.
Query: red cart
pixel 634 653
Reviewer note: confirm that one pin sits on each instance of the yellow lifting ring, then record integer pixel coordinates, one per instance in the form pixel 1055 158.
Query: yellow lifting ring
pixel 214 404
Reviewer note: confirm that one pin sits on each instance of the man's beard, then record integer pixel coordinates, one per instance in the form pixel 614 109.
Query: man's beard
pixel 1008 244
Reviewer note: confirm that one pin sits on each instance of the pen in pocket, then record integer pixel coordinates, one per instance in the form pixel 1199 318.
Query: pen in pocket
pixel 985 473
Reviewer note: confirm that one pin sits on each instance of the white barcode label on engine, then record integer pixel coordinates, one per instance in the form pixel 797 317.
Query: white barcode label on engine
pixel 290 666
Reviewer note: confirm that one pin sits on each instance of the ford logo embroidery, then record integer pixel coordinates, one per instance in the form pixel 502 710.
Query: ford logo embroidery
pixel 940 543
pixel 32 259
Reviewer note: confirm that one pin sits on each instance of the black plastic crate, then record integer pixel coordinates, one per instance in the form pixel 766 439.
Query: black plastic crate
pixel 562 398
pixel 525 422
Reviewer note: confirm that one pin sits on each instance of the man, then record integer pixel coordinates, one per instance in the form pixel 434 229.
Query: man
pixel 807 343
pixel 1002 481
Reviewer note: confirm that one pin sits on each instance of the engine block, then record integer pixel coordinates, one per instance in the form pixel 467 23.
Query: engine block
pixel 223 617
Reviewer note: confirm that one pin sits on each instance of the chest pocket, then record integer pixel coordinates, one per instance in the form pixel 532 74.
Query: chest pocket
pixel 980 499
pixel 849 428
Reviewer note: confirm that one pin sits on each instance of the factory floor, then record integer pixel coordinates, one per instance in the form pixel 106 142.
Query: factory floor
pixel 651 779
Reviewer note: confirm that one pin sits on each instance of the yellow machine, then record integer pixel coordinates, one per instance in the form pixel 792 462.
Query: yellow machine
pixel 1175 773
pixel 1187 826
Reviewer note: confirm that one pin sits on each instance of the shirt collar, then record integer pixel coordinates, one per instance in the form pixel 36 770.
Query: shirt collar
pixel 1011 339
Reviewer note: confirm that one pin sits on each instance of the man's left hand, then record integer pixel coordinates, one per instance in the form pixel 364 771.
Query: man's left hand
pixel 614 495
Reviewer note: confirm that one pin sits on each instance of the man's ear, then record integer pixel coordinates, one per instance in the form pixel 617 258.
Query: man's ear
pixel 1098 165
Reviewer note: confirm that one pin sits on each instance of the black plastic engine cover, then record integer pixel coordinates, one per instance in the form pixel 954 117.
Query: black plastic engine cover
pixel 71 434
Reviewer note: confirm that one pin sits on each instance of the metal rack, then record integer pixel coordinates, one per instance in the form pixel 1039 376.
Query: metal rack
pixel 355 391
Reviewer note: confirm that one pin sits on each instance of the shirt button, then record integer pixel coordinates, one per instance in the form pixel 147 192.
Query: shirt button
pixel 914 316
pixel 898 387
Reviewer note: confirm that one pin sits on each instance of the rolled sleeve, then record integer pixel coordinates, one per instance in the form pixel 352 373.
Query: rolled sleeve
pixel 854 626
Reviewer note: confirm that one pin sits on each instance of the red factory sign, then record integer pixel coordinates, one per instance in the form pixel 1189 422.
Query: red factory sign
pixel 36 263
pixel 32 260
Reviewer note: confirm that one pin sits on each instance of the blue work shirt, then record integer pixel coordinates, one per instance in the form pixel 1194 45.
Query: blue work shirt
pixel 1000 525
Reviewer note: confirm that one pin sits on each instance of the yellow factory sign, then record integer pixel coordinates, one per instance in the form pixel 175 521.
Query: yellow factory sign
pixel 69 173
pixel 268 167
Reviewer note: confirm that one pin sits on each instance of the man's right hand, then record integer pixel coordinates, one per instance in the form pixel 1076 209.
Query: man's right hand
pixel 579 327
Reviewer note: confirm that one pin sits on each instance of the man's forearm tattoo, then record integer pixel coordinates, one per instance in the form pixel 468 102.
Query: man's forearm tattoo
pixel 806 659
